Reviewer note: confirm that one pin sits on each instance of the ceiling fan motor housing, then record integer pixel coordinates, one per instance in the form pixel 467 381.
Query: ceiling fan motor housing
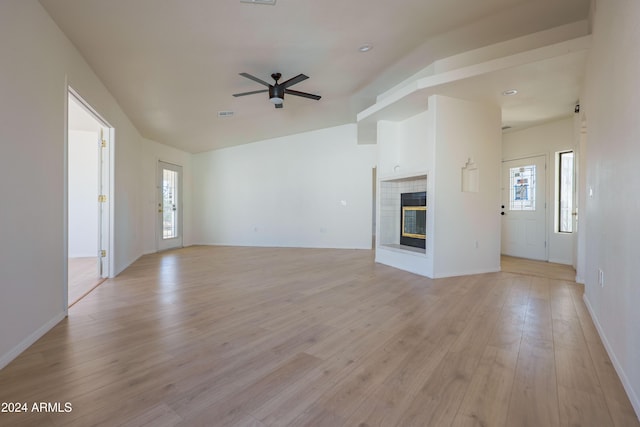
pixel 276 91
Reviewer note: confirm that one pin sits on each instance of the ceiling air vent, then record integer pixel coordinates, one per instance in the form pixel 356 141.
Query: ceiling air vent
pixel 268 2
pixel 224 114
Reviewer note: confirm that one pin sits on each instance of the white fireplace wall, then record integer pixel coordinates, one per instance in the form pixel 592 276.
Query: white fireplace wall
pixel 405 159
pixel 463 228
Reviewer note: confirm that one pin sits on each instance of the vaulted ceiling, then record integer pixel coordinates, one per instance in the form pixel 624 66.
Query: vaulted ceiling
pixel 173 65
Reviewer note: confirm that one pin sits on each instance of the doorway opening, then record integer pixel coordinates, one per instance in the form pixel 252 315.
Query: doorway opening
pixel 89 139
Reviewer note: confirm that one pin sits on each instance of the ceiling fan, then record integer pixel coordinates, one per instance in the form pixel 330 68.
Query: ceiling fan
pixel 277 90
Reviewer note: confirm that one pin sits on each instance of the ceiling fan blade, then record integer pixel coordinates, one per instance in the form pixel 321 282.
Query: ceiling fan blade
pixel 279 105
pixel 251 93
pixel 255 79
pixel 302 94
pixel 294 80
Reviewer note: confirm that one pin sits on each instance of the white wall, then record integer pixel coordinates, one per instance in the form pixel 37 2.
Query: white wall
pixel 467 224
pixel 83 193
pixel 611 106
pixel 38 62
pixel 306 190
pixel 547 139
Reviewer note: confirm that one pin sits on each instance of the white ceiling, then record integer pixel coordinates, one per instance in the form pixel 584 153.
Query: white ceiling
pixel 172 65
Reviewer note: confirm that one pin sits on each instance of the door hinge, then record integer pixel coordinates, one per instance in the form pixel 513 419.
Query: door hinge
pixel 103 142
pixel 102 198
pixel 103 253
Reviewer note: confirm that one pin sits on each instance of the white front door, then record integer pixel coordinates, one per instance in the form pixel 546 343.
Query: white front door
pixel 169 206
pixel 524 208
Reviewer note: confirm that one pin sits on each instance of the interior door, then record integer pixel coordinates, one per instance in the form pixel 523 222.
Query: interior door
pixel 524 216
pixel 169 206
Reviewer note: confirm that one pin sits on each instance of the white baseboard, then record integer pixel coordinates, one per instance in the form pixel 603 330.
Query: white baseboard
pixel 466 272
pixel 633 397
pixel 560 261
pixel 27 342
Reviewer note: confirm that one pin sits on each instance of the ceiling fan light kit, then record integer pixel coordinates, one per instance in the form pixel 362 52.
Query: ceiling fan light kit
pixel 278 90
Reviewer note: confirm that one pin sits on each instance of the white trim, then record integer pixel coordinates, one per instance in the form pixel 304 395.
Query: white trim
pixel 86 106
pixel 560 261
pixel 30 340
pixel 108 241
pixel 635 402
pixel 111 273
pixel 466 272
pixel 527 156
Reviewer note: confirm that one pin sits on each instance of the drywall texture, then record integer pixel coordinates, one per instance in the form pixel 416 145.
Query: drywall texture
pixel 611 106
pixel 466 224
pixel 306 190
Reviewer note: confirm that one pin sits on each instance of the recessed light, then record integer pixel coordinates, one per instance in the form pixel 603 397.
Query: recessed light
pixel 365 47
pixel 509 92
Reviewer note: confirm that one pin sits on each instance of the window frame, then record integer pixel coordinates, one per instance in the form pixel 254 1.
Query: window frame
pixel 559 200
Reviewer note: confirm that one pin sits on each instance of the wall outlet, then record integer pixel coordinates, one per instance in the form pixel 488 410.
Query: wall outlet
pixel 601 278
pixel 477 245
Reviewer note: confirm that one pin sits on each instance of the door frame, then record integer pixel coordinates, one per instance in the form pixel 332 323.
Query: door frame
pixel 106 226
pixel 180 208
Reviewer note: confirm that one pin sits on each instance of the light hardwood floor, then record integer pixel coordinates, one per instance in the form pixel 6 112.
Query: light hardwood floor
pixel 83 277
pixel 537 268
pixel 218 336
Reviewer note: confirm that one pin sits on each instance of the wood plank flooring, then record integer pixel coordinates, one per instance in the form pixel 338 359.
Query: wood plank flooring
pixel 83 277
pixel 530 267
pixel 228 336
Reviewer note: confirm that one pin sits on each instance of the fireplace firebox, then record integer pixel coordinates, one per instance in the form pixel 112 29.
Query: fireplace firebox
pixel 413 224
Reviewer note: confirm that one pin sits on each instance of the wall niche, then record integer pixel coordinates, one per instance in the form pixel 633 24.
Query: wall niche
pixel 470 177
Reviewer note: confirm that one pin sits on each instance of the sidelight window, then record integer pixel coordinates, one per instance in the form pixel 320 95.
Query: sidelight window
pixel 565 191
